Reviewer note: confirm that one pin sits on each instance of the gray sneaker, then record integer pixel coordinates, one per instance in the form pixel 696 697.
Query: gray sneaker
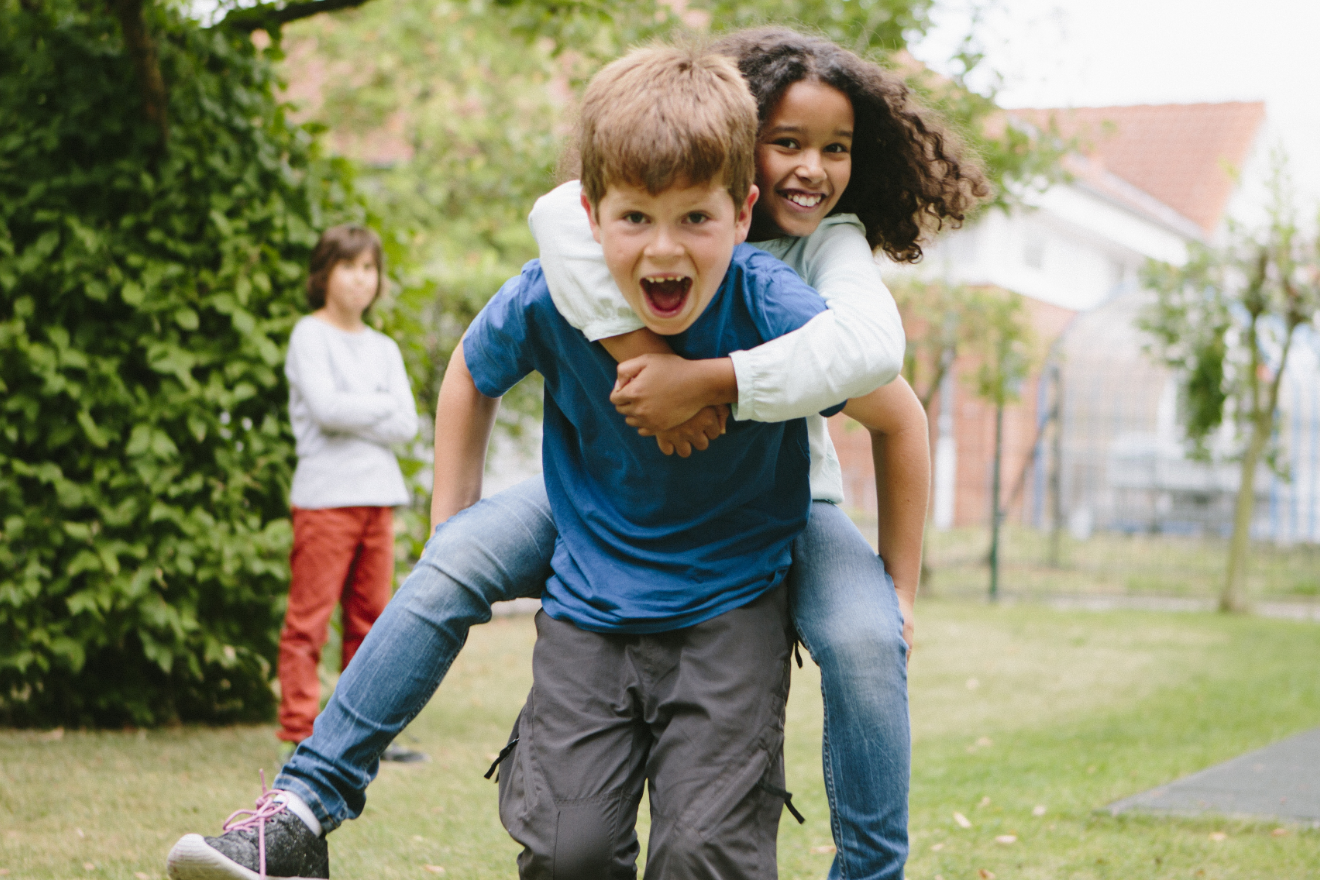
pixel 401 755
pixel 268 842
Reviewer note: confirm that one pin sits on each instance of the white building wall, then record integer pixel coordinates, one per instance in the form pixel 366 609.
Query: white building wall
pixel 1072 248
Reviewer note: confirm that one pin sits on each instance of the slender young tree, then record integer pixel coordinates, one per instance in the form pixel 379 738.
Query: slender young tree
pixel 1226 321
pixel 991 328
pixel 1004 351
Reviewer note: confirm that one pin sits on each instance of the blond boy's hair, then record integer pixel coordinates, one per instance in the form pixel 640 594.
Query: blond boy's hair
pixel 665 116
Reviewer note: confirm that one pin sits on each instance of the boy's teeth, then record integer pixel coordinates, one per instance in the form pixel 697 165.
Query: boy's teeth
pixel 666 292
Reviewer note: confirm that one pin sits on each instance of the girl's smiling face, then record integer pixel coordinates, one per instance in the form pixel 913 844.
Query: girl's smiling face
pixel 803 160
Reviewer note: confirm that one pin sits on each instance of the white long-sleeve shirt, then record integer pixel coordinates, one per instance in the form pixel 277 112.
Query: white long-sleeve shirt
pixel 849 350
pixel 349 401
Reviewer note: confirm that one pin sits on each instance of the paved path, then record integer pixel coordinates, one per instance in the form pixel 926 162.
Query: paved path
pixel 1279 781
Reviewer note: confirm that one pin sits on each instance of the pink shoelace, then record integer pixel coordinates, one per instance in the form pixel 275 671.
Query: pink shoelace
pixel 267 807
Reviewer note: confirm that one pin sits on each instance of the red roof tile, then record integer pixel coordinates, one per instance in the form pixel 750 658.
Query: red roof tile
pixel 1182 154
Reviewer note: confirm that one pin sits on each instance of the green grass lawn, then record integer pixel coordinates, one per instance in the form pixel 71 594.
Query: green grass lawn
pixel 1111 563
pixel 1014 709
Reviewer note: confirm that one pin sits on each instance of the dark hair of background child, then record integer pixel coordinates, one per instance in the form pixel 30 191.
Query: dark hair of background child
pixel 338 243
pixel 910 175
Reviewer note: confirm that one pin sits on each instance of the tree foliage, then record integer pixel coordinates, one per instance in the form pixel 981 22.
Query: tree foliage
pixel 1225 322
pixel 146 296
pixel 480 93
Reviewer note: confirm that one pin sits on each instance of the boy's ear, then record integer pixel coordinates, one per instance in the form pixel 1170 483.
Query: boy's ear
pixel 743 224
pixel 591 217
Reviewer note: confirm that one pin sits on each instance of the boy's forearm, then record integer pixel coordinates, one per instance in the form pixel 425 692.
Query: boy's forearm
pixel 900 449
pixel 463 421
pixel 627 346
pixel 658 390
pixel 902 485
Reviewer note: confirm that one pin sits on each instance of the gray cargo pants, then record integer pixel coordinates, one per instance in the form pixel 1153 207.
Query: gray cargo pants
pixel 697 712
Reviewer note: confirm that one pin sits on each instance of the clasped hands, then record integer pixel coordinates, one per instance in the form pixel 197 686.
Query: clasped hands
pixel 661 395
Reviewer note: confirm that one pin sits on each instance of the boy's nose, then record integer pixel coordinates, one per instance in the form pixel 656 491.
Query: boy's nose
pixel 663 245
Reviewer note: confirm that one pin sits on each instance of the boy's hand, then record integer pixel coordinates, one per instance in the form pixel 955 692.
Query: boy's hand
pixel 695 433
pixel 906 606
pixel 661 392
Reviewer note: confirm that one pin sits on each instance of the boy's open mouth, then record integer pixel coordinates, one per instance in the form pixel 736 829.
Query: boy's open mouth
pixel 666 293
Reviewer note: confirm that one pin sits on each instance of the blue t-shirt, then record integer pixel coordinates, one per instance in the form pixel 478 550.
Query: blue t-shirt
pixel 649 542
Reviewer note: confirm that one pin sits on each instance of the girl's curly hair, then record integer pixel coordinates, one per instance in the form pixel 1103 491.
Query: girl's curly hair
pixel 910 176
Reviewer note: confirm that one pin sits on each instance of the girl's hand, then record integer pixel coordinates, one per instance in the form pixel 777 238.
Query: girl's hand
pixel 695 433
pixel 661 392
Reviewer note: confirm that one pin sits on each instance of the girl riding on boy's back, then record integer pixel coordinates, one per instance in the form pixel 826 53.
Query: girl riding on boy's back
pixel 846 163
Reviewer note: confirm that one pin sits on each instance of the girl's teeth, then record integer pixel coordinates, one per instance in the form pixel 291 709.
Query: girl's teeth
pixel 805 201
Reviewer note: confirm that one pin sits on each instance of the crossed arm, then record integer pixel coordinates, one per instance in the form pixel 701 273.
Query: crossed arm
pixel 900 449
pixel 892 414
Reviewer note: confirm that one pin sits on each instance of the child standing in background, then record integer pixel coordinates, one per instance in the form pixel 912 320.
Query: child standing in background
pixel 349 401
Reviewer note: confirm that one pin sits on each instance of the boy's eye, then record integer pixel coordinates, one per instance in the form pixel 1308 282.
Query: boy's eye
pixel 634 217
pixel 697 217
pixel 786 143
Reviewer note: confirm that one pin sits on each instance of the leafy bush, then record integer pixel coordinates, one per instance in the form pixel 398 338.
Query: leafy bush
pixel 146 296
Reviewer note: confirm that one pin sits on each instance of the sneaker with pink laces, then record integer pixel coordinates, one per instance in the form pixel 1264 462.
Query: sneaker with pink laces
pixel 266 842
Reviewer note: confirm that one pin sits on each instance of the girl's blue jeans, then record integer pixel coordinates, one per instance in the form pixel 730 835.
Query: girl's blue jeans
pixel 843 604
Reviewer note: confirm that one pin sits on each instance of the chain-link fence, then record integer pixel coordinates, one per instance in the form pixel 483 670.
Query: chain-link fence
pixel 1100 497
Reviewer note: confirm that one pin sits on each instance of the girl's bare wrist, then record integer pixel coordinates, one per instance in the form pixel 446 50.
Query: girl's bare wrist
pixel 719 382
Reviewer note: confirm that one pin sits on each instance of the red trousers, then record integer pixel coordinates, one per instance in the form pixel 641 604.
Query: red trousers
pixel 340 555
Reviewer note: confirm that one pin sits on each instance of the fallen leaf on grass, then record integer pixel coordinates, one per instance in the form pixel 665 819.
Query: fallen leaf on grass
pixel 1038 810
pixel 985 801
pixel 4 872
pixel 936 847
pixel 434 869
pixel 1278 832
pixel 52 736
pixel 88 866
pixel 973 684
pixel 1218 835
pixel 141 876
pixel 963 821
pixel 985 875
pixel 79 832
pixel 939 877
pixel 822 850
pixel 1006 838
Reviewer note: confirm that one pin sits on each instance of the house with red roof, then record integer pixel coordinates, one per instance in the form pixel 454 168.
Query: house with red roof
pixel 1143 182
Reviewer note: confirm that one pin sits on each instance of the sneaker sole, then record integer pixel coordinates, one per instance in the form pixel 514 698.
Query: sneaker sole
pixel 194 859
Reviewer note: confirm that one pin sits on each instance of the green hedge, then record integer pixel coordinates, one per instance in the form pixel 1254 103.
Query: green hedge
pixel 145 301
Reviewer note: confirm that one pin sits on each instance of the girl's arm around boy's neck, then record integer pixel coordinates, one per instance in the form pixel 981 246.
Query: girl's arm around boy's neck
pixel 900 448
pixel 682 403
pixel 464 418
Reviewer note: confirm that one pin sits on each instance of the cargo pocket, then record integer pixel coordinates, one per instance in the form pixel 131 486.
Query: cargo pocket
pixel 512 782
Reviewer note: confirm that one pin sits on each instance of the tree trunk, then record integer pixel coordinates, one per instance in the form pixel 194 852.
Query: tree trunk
pixel 1056 475
pixel 146 62
pixel 1233 599
pixel 994 503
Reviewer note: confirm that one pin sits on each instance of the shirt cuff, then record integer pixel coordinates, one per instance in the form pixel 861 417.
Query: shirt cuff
pixel 612 326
